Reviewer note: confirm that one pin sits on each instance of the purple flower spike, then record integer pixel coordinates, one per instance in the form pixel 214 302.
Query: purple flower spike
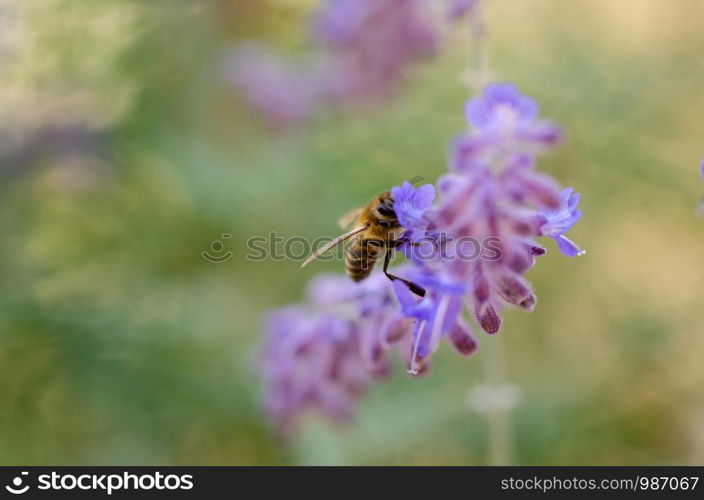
pixel 492 207
pixel 555 223
pixel 410 204
pixel 349 70
pixel 325 353
pixel 494 195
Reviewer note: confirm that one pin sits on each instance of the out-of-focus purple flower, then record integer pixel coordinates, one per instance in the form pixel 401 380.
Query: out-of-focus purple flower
pixel 311 361
pixel 411 204
pixel 500 106
pixel 357 23
pixel 367 47
pixel 503 114
pixel 354 31
pixel 458 9
pixel 281 92
pixel 555 223
pixel 323 354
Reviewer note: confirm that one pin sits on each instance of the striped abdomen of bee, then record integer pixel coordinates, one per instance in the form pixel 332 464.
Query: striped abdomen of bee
pixel 360 257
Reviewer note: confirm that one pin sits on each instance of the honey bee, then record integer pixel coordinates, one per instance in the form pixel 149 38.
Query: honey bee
pixel 377 229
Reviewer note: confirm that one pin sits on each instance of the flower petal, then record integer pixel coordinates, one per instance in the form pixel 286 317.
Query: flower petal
pixel 568 247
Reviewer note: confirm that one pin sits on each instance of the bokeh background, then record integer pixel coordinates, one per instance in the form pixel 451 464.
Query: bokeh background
pixel 124 154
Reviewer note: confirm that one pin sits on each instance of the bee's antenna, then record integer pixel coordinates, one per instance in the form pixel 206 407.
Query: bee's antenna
pixel 416 179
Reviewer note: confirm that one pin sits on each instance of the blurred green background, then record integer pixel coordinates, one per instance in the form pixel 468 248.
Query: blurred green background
pixel 123 155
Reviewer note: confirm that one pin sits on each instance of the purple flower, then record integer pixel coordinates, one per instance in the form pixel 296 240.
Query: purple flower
pixel 495 198
pixel 501 105
pixel 339 21
pixel 305 363
pixel 325 353
pixel 458 9
pixel 353 31
pixel 411 204
pixel 436 315
pixel 281 92
pixel 555 223
pixel 503 114
pixel 351 68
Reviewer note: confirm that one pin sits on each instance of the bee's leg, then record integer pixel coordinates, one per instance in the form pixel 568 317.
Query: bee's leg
pixel 405 241
pixel 413 287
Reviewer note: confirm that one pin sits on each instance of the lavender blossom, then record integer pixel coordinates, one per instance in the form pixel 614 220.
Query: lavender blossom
pixel 492 192
pixel 411 204
pixel 555 223
pixel 459 9
pixel 436 316
pixel 504 119
pixel 324 354
pixel 355 30
pixel 501 106
pixel 367 47
pixel 280 91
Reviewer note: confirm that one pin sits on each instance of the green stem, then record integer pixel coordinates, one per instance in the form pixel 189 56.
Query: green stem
pixel 479 58
pixel 500 435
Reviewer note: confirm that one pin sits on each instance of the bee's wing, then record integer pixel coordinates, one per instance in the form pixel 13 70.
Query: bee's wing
pixel 332 244
pixel 349 218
